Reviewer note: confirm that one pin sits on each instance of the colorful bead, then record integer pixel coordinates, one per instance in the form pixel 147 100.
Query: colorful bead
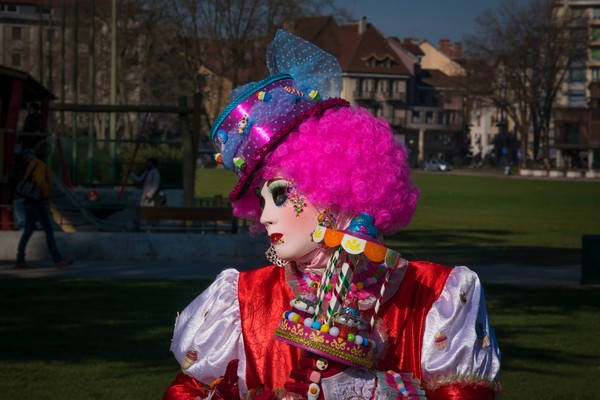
pixel 399 383
pixel 342 335
pixel 316 325
pixel 325 328
pixel 358 340
pixel 365 342
pixel 297 200
pixel 296 317
pixel 350 337
pixel 314 95
pixel 286 314
pixel 327 219
pixel 263 96
pixel 308 322
pixel 290 316
pixel 219 158
pixel 239 162
pixel 360 285
pixel 334 331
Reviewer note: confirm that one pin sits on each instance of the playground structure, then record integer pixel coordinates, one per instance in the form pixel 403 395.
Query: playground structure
pixel 68 205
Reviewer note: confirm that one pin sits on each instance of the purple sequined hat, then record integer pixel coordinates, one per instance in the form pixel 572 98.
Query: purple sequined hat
pixel 304 81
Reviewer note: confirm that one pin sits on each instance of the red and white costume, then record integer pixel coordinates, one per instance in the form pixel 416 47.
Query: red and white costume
pixel 236 316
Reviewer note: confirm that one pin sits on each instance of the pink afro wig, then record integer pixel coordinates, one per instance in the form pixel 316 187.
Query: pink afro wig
pixel 348 161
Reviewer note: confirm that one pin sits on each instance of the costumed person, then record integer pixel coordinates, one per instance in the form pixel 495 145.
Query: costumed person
pixel 150 182
pixel 36 210
pixel 338 315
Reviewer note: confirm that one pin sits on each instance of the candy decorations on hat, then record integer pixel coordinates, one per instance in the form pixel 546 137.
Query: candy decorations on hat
pixel 303 79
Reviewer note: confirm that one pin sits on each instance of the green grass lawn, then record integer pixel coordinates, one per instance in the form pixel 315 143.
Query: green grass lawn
pixel 483 220
pixel 109 339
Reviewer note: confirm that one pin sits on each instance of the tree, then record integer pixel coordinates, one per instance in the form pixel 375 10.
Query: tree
pixel 531 46
pixel 223 41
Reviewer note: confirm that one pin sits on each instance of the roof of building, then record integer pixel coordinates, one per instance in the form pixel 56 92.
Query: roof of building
pixel 437 79
pixel 365 53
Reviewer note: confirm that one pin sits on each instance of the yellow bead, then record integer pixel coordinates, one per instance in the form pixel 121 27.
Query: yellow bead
pixel 325 328
pixel 360 285
pixel 296 317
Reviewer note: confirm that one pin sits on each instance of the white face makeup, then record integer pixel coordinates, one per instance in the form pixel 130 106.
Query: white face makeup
pixel 290 233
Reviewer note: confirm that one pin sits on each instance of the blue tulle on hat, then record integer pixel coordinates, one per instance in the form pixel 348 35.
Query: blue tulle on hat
pixel 302 77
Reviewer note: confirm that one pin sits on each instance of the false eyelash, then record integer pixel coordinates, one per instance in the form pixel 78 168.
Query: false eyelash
pixel 280 183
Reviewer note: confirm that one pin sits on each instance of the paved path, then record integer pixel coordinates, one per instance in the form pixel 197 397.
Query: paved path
pixel 565 276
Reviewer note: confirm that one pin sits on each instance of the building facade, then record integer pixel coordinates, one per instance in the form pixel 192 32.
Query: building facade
pixel 577 115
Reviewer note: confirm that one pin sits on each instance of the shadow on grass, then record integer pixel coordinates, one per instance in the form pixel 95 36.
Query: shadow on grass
pixel 91 321
pixel 544 334
pixel 476 247
pixel 545 331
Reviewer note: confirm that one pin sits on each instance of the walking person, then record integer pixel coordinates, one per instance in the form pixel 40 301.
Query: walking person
pixel 150 182
pixel 37 210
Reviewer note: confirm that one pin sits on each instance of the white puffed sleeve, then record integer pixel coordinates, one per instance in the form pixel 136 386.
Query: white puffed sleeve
pixel 211 326
pixel 459 343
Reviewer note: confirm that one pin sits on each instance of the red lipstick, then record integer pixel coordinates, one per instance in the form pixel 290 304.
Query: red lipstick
pixel 276 238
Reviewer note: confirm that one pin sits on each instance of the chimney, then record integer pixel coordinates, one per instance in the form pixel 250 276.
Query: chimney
pixel 445 47
pixel 458 50
pixel 362 25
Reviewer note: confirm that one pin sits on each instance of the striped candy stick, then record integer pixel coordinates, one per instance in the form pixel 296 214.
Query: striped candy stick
pixel 291 90
pixel 341 288
pixel 326 278
pixel 388 273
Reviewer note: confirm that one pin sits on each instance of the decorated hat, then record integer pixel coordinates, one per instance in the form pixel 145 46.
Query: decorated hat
pixel 304 81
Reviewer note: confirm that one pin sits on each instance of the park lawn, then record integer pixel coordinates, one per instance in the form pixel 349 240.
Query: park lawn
pixel 483 220
pixel 109 339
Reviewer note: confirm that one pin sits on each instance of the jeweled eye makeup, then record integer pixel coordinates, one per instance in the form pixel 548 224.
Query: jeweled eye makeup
pixel 279 191
pixel 278 188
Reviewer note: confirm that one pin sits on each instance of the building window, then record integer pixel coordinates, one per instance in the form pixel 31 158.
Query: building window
pixel 384 86
pixel 16 60
pixel 576 99
pixel 429 117
pixel 596 13
pixel 416 117
pixel 441 118
pixel 595 54
pixel 9 8
pixel 572 133
pixel 16 33
pixel 577 75
pixel 595 74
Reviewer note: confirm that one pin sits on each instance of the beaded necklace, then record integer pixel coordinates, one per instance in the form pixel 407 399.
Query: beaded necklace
pixel 365 284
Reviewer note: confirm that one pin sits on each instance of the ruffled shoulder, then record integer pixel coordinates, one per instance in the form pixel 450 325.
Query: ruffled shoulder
pixel 208 331
pixel 459 344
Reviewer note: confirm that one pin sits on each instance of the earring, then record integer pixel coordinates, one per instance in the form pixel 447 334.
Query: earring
pixel 271 255
pixel 327 219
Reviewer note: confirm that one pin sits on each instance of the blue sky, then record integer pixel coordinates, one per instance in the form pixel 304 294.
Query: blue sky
pixel 421 19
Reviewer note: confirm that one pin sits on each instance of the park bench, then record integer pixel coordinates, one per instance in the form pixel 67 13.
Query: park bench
pixel 187 219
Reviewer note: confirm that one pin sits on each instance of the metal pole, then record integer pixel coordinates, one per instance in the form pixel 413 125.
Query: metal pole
pixel 113 91
pixel 91 89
